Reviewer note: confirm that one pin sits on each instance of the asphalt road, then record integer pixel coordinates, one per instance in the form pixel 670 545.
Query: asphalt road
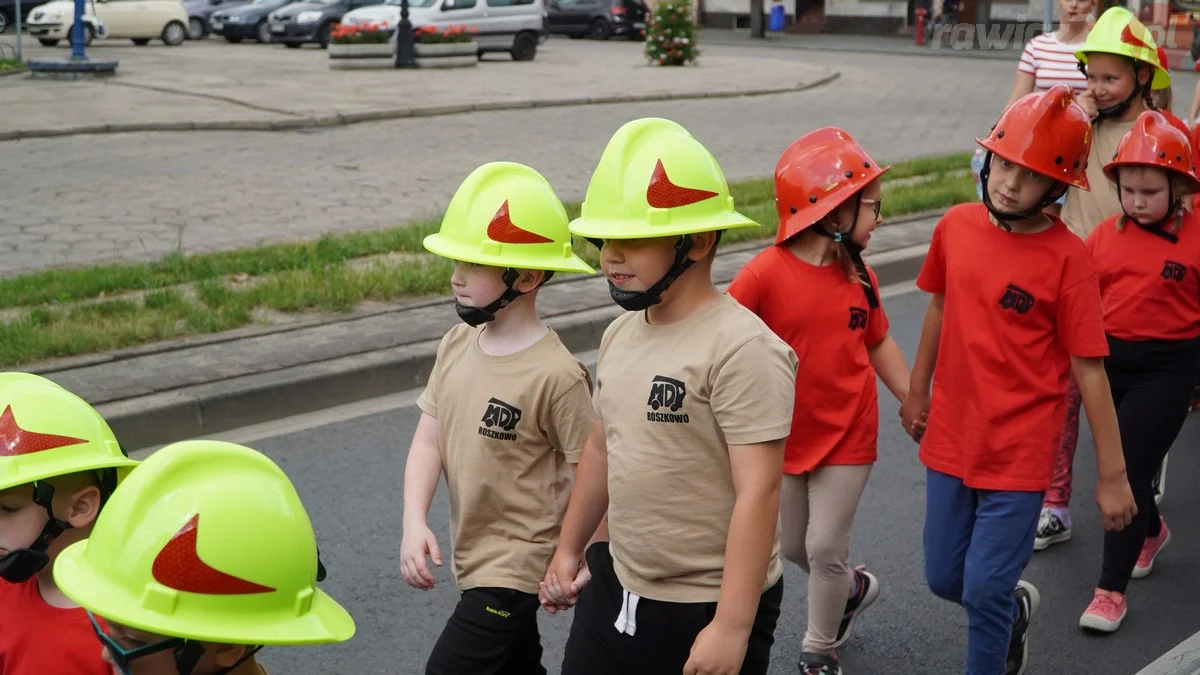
pixel 350 475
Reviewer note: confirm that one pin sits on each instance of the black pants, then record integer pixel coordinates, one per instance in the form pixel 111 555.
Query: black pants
pixel 665 630
pixel 1151 383
pixel 493 631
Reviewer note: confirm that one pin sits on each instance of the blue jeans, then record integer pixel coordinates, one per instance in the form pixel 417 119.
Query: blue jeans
pixel 977 543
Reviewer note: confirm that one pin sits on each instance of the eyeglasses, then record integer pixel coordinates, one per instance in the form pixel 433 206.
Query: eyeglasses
pixel 876 204
pixel 121 656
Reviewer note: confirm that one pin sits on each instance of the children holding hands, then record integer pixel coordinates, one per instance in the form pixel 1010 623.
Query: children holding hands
pixel 504 414
pixel 694 394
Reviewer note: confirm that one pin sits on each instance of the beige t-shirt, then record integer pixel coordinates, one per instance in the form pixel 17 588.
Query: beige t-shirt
pixel 673 398
pixel 509 426
pixel 1084 209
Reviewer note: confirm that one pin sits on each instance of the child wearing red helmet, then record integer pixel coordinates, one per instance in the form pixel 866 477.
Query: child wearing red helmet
pixel 827 192
pixel 1124 70
pixel 1148 262
pixel 1015 312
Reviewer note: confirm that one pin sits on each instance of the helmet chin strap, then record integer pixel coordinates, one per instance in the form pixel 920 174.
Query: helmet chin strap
pixel 474 316
pixel 636 301
pixel 854 250
pixel 1158 227
pixel 1003 217
pixel 20 565
pixel 1121 108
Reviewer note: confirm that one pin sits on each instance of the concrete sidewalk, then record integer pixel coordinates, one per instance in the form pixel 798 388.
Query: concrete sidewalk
pixel 197 87
pixel 199 386
pixel 1007 46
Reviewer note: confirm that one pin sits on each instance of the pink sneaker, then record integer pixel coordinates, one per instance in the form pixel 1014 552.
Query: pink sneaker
pixel 1106 612
pixel 1150 551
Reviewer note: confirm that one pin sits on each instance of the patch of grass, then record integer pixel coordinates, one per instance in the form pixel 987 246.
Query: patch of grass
pixel 313 277
pixel 929 165
pixel 11 64
pixel 72 284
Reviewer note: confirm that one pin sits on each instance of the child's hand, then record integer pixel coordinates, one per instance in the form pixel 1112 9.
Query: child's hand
pixel 416 543
pixel 565 578
pixel 1115 500
pixel 1087 101
pixel 717 651
pixel 914 413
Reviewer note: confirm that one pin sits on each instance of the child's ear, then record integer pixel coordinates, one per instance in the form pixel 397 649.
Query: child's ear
pixel 529 280
pixel 83 507
pixel 703 245
pixel 226 656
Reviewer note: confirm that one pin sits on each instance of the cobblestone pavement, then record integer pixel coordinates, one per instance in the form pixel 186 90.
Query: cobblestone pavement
pixel 137 196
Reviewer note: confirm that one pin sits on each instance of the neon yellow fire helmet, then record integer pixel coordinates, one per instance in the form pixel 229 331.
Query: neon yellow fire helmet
pixel 506 215
pixel 47 431
pixel 206 541
pixel 1119 32
pixel 655 179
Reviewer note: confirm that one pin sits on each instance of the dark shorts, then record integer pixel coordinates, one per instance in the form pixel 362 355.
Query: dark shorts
pixel 493 631
pixel 665 630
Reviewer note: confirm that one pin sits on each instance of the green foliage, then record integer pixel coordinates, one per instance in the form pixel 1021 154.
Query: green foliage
pixel 671 35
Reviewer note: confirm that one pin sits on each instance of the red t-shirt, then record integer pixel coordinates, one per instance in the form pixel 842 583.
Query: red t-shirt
pixel 1017 306
pixel 1149 287
pixel 826 319
pixel 37 639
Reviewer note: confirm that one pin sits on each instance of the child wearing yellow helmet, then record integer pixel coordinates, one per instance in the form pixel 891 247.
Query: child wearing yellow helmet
pixel 1120 60
pixel 1123 68
pixel 203 556
pixel 695 393
pixel 505 401
pixel 59 462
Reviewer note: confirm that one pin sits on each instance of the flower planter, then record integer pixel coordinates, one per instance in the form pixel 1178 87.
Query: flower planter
pixel 362 51
pixel 448 55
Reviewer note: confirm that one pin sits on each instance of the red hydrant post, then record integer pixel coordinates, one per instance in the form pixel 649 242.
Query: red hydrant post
pixel 920 14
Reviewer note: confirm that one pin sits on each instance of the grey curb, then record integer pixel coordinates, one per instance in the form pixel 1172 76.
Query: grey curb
pixel 215 407
pixel 342 119
pixel 1184 659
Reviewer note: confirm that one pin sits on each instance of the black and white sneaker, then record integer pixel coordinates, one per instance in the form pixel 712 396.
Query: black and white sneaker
pixel 1050 530
pixel 819 664
pixel 1160 481
pixel 1028 600
pixel 866 594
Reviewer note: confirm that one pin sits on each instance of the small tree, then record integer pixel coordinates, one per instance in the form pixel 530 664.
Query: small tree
pixel 671 35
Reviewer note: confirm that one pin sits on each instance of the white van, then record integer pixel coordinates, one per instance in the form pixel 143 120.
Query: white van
pixel 513 26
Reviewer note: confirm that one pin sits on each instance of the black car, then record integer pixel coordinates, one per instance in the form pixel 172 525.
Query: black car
pixel 247 21
pixel 311 21
pixel 200 13
pixel 8 12
pixel 597 18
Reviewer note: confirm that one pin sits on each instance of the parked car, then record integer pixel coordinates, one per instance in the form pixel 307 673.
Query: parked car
pixel 137 20
pixel 599 19
pixel 8 12
pixel 311 21
pixel 513 26
pixel 200 12
pixel 246 21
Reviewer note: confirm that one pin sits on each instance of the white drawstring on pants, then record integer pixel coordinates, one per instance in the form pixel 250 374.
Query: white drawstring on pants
pixel 627 620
